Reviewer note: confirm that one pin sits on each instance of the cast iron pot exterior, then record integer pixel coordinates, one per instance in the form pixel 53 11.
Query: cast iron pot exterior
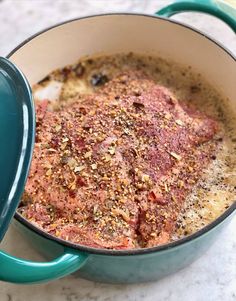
pixel 131 268
pixel 115 33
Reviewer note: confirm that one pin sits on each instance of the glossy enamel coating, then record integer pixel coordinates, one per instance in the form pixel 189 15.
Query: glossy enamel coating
pixel 132 267
pixel 17 127
pixel 113 33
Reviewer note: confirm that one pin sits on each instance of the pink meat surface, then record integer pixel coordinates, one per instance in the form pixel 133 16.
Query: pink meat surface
pixel 113 169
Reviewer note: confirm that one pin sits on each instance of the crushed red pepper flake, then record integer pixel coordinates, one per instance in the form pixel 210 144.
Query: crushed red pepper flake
pixel 110 180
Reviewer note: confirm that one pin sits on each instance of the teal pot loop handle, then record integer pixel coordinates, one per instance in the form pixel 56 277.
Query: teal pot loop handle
pixel 17 270
pixel 224 10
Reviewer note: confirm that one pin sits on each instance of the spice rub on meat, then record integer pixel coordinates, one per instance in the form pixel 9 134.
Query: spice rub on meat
pixel 113 169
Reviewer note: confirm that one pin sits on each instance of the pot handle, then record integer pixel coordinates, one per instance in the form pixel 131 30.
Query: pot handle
pixel 18 270
pixel 223 10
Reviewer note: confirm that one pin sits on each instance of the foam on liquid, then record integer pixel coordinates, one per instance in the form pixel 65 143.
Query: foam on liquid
pixel 216 190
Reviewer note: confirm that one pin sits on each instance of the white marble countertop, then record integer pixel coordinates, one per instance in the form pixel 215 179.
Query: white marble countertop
pixel 213 276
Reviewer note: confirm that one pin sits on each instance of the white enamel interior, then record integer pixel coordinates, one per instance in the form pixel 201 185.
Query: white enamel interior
pixel 64 44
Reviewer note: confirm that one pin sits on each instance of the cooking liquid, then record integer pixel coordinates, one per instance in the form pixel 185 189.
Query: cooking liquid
pixel 216 190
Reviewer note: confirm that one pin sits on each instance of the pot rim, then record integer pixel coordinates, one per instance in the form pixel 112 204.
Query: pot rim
pixel 142 251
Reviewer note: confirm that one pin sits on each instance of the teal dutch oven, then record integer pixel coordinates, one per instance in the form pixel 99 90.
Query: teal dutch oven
pixel 61 45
